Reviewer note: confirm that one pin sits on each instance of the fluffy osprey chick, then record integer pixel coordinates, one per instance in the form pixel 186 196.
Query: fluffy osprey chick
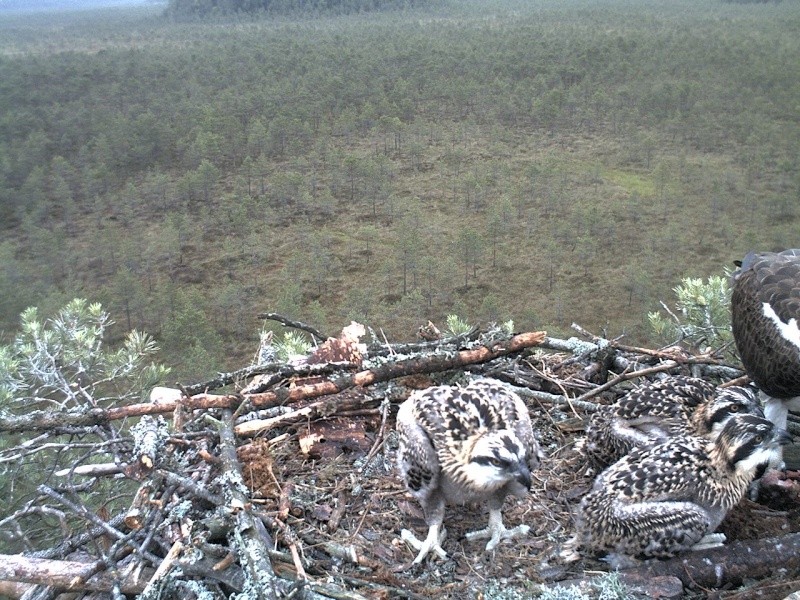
pixel 661 410
pixel 465 445
pixel 663 499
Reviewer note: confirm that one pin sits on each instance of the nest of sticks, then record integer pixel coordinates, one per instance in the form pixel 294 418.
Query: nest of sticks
pixel 279 481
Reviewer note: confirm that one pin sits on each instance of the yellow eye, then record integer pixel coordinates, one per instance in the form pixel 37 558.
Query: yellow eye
pixel 496 462
pixel 759 438
pixel 735 408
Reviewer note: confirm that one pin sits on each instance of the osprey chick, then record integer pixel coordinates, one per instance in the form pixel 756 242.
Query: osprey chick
pixel 661 410
pixel 465 445
pixel 663 499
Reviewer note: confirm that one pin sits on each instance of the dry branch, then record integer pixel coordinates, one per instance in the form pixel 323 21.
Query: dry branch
pixel 276 372
pixel 323 407
pixel 432 363
pixel 286 322
pixel 134 518
pixel 440 361
pixel 456 341
pixel 251 541
pixel 68 574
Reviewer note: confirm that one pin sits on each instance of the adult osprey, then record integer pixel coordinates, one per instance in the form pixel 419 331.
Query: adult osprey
pixel 765 308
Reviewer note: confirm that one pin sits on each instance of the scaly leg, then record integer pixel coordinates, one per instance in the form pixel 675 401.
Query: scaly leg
pixel 496 531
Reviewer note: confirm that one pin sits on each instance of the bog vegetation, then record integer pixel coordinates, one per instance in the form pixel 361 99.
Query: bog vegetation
pixel 543 161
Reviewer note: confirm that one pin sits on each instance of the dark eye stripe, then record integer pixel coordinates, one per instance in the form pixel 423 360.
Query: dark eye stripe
pixel 722 413
pixel 491 460
pixel 744 451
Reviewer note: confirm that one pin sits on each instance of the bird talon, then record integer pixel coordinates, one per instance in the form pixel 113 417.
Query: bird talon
pixel 432 543
pixel 478 535
pixel 710 540
pixel 496 532
pixel 569 551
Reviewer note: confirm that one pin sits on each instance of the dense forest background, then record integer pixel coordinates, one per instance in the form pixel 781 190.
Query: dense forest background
pixel 546 161
pixel 206 8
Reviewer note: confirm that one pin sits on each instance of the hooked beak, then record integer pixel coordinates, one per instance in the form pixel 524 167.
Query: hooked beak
pixel 523 475
pixel 781 437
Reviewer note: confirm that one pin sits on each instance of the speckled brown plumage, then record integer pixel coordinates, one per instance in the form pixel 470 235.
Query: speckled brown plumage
pixel 463 445
pixel 663 409
pixel 662 499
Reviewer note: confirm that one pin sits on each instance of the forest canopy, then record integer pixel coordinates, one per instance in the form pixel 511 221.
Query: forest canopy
pixel 201 8
pixel 546 162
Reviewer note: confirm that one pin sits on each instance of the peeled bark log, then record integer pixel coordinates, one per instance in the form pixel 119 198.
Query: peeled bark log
pixel 49 420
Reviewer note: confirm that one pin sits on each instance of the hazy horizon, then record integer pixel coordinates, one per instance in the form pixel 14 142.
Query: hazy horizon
pixel 22 6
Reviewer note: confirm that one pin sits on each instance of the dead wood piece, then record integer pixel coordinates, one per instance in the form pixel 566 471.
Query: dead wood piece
pixel 391 370
pixel 250 539
pixel 134 518
pixel 381 589
pixel 285 501
pixel 149 434
pixel 92 470
pixel 333 404
pixel 730 564
pixel 340 551
pixel 556 400
pixel 626 376
pixel 68 574
pixel 346 347
pixel 165 566
pixel 333 437
pixel 267 375
pixel 455 342
pixel 381 433
pixel 108 530
pixel 286 322
pixel 256 426
pixel 210 568
pixel 190 486
pixel 638 586
pixel 257 463
pixel 51 420
pixel 148 441
pixel 337 513
pixel 675 353
pixel 13 589
pixel 77 541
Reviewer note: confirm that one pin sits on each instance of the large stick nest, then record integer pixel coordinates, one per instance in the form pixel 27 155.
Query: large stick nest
pixel 285 485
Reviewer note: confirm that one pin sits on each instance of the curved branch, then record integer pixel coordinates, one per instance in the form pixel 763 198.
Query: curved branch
pixel 432 363
pixel 286 322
